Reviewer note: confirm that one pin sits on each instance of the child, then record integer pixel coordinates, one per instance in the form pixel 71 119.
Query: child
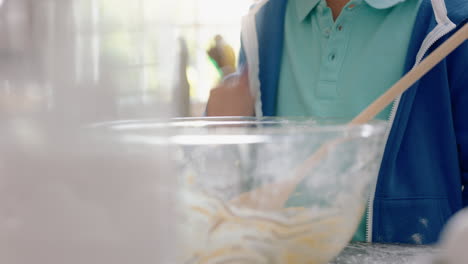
pixel 331 59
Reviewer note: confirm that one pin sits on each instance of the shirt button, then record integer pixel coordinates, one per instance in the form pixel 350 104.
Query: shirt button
pixel 339 28
pixel 331 56
pixel 326 32
pixel 351 6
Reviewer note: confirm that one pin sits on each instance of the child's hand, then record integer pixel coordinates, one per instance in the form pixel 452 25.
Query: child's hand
pixel 232 97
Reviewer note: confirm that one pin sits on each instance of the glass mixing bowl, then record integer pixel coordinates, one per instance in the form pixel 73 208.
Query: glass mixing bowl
pixel 218 159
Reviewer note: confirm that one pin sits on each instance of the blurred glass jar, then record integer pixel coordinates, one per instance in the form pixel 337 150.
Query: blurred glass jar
pixel 84 196
pixel 69 194
pixel 88 60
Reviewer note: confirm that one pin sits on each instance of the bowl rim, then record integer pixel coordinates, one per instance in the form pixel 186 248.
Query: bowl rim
pixel 243 126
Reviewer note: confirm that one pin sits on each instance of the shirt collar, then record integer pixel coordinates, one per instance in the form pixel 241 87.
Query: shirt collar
pixel 304 7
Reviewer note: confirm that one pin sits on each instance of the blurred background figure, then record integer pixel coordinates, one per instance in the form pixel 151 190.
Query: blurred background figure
pixel 87 46
pixel 223 56
pixel 181 91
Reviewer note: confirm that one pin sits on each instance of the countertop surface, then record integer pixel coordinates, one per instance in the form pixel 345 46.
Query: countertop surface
pixel 365 253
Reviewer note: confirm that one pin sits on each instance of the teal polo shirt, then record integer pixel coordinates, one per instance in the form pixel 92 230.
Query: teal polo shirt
pixel 336 68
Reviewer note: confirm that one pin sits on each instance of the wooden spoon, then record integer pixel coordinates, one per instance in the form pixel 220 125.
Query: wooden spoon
pixel 274 195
